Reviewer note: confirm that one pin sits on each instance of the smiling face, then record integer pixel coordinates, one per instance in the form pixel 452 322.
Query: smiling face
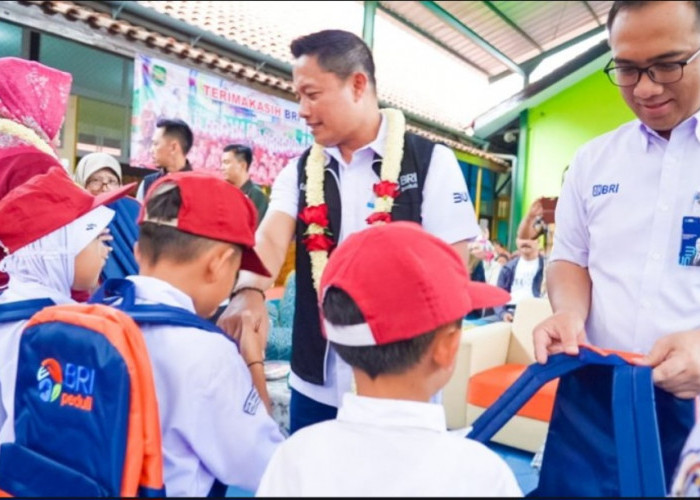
pixel 329 105
pixel 654 33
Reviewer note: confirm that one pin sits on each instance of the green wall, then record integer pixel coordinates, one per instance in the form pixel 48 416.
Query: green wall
pixel 560 125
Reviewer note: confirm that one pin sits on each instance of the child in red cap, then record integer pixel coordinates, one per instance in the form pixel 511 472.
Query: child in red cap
pixel 197 231
pixel 392 300
pixel 53 233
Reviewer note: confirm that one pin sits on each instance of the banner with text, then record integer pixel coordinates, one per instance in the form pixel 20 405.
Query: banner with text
pixel 219 112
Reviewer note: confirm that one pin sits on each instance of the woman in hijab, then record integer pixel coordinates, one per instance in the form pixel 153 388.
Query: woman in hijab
pixel 98 173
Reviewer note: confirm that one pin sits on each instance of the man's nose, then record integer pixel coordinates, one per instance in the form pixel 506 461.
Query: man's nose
pixel 646 87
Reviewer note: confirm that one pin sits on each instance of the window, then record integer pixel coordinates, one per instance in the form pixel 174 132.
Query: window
pixel 10 40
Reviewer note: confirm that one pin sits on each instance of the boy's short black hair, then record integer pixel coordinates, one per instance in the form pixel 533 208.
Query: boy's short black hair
pixel 394 358
pixel 158 241
pixel 242 152
pixel 178 130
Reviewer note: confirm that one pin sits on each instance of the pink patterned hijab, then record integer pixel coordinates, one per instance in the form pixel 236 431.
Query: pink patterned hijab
pixel 34 97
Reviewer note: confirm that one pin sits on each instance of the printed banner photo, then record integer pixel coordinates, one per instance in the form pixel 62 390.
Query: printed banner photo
pixel 220 112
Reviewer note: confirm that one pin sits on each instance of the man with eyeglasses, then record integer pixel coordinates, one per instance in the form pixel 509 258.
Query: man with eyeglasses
pixel 620 273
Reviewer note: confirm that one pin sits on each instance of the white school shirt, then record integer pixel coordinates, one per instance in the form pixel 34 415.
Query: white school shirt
pixel 620 215
pixel 525 272
pixel 10 335
pixel 447 213
pixel 212 420
pixel 383 447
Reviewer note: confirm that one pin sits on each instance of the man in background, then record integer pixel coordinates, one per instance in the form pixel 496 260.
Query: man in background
pixel 172 140
pixel 235 165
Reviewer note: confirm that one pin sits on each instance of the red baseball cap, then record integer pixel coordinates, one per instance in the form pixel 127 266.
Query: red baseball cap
pixel 212 208
pixel 405 281
pixel 45 203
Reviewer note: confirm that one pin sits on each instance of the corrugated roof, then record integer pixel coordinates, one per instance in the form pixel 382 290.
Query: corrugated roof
pixel 520 30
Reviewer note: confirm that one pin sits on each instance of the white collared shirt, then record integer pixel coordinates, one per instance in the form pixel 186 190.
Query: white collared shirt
pixel 212 420
pixel 384 447
pixel 620 215
pixel 446 213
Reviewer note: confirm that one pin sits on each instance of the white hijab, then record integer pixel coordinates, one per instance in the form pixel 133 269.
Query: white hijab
pixel 46 267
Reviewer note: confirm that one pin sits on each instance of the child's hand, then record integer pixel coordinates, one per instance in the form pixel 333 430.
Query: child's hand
pixel 252 342
pixel 249 301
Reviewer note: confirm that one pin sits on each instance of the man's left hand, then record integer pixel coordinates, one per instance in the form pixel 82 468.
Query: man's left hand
pixel 676 362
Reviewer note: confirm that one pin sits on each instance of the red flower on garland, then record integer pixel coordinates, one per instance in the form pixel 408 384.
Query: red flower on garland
pixel 386 188
pixel 317 214
pixel 318 242
pixel 378 217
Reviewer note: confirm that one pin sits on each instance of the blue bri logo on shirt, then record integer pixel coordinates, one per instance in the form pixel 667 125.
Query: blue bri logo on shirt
pixel 599 189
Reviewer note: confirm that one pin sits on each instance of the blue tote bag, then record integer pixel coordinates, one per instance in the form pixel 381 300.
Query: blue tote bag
pixel 607 428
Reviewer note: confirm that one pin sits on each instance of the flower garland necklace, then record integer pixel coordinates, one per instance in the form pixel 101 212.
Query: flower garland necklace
pixel 26 135
pixel 318 239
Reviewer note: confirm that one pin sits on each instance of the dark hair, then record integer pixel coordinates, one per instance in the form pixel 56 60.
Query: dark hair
pixel 394 358
pixel 619 5
pixel 158 240
pixel 178 130
pixel 241 152
pixel 339 52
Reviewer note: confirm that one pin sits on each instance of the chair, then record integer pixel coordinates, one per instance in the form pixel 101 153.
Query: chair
pixel 490 358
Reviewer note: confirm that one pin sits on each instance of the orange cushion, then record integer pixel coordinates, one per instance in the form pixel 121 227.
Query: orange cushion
pixel 487 386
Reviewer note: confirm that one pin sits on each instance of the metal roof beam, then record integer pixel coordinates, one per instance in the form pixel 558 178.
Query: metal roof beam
pixel 512 24
pixel 456 24
pixel 530 65
pixel 592 12
pixel 430 37
pixel 368 23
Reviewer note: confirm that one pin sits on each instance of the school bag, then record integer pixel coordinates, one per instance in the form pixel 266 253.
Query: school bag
pixel 604 436
pixel 125 231
pixel 86 415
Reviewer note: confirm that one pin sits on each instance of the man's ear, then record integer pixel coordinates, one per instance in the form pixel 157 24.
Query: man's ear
pixel 360 82
pixel 446 344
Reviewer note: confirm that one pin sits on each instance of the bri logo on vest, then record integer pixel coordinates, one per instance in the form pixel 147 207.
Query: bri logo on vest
pixel 74 384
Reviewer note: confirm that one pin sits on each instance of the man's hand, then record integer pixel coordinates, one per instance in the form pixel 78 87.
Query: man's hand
pixel 676 362
pixel 251 343
pixel 561 332
pixel 253 302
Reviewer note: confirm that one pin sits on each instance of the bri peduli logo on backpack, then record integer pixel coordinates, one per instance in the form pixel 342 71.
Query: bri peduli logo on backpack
pixel 75 388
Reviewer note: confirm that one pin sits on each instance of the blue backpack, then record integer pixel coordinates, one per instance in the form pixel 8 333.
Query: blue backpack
pixel 125 231
pixel 85 410
pixel 607 429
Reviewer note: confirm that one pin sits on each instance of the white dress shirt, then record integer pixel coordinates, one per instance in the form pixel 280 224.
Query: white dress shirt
pixel 213 423
pixel 620 215
pixel 446 212
pixel 384 447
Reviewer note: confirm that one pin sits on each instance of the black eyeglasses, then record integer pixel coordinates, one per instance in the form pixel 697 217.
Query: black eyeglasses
pixel 664 72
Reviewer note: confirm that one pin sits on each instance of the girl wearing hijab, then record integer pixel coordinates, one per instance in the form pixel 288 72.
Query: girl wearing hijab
pixel 50 250
pixel 33 101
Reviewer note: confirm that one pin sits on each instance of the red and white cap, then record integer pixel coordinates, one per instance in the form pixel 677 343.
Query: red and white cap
pixel 211 208
pixel 46 203
pixel 405 281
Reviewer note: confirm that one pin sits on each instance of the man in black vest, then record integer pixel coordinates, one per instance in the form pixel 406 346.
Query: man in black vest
pixel 362 158
pixel 172 140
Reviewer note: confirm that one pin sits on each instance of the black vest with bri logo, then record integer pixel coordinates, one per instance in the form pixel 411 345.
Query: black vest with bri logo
pixel 308 344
